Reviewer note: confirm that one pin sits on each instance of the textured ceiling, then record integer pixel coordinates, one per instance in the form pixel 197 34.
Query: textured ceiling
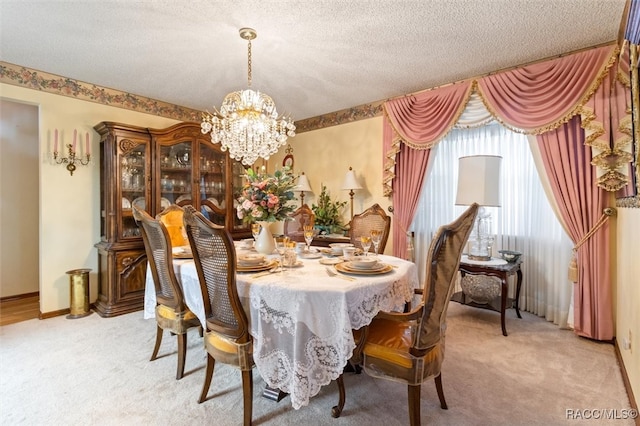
pixel 312 57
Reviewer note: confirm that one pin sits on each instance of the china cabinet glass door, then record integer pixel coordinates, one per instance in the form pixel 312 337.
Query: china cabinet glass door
pixel 212 181
pixel 134 187
pixel 176 162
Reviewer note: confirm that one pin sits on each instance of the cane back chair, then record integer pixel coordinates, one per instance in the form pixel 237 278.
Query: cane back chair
pixel 171 311
pixel 227 337
pixel 294 226
pixel 409 347
pixel 372 218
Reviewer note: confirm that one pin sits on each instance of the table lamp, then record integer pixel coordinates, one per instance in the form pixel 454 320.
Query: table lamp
pixel 350 184
pixel 479 182
pixel 302 186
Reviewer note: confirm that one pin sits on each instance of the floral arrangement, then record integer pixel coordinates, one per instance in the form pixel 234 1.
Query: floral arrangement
pixel 265 197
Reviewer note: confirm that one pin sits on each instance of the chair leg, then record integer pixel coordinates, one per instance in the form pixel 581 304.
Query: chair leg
pixel 414 404
pixel 247 393
pixel 211 362
pixel 438 380
pixel 337 410
pixel 182 355
pixel 158 341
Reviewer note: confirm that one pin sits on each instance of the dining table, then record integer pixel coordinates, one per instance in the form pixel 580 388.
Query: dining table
pixel 302 317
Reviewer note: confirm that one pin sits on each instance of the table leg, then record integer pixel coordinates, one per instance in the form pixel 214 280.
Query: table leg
pixel 503 305
pixel 273 394
pixel 518 286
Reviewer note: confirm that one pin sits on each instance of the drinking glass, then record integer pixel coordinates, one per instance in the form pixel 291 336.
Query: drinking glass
pixel 376 236
pixel 281 248
pixel 255 230
pixel 308 236
pixel 365 240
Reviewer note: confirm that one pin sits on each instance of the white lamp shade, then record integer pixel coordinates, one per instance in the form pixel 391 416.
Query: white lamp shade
pixel 479 180
pixel 303 183
pixel 350 181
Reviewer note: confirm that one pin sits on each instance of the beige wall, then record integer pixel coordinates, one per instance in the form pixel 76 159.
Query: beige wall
pixel 325 156
pixel 69 205
pixel 19 211
pixel 627 300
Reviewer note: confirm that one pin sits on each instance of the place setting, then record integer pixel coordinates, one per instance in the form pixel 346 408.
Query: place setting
pixel 363 265
pixel 254 262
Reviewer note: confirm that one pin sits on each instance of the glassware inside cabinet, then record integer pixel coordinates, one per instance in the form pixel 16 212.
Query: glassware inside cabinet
pixel 133 184
pixel 175 174
pixel 212 189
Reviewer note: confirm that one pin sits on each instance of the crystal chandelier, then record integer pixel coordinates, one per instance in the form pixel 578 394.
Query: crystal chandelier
pixel 248 124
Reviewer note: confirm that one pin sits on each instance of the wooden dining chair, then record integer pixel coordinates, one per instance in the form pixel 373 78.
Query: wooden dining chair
pixel 171 218
pixel 372 218
pixel 294 226
pixel 171 311
pixel 227 337
pixel 409 347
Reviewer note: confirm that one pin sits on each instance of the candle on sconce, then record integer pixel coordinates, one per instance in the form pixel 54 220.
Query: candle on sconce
pixel 55 141
pixel 75 135
pixel 87 151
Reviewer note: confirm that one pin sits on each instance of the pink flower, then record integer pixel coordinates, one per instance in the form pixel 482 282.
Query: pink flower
pixel 272 200
pixel 247 205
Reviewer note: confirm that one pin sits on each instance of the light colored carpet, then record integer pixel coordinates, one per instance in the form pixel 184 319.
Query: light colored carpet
pixel 96 371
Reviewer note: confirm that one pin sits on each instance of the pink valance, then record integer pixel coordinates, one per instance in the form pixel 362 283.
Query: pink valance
pixel 424 118
pixel 540 97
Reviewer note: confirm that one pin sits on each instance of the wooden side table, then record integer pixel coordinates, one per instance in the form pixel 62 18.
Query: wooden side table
pixel 502 272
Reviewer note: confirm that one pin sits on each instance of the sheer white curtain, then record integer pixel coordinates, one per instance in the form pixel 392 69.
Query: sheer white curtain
pixel 524 222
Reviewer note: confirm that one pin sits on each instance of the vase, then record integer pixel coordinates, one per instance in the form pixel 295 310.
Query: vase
pixel 264 243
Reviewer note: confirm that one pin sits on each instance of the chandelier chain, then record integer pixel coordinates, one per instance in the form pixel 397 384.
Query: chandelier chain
pixel 249 64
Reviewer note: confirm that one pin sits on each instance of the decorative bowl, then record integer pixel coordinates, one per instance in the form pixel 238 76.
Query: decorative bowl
pixel 510 255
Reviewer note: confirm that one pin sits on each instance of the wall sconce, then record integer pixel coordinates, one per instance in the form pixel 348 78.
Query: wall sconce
pixel 302 186
pixel 351 184
pixel 72 159
pixel 479 182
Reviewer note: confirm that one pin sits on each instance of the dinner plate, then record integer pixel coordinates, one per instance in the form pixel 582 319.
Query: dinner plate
pixel 375 268
pixel 310 255
pixel 341 267
pixel 164 203
pixel 126 204
pixel 139 202
pixel 330 260
pixel 251 259
pixel 185 197
pixel 257 268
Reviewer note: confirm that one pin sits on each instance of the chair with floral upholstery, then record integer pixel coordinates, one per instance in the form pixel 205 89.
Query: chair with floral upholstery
pixel 171 311
pixel 227 339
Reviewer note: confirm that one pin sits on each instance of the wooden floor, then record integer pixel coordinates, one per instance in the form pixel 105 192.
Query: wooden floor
pixel 19 309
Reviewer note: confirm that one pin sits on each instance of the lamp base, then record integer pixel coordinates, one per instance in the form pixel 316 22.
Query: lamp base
pixel 480 258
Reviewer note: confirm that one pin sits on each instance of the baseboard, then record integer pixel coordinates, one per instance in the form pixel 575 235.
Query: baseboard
pixel 19 297
pixel 627 383
pixel 45 315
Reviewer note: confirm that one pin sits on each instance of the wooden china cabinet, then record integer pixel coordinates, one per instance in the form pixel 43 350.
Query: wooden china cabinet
pixel 152 169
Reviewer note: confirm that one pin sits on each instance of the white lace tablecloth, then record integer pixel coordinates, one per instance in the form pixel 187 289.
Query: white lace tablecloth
pixel 302 319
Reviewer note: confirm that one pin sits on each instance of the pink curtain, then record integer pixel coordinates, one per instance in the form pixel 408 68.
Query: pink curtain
pixel 411 166
pixel 534 99
pixel 542 96
pixel 567 163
